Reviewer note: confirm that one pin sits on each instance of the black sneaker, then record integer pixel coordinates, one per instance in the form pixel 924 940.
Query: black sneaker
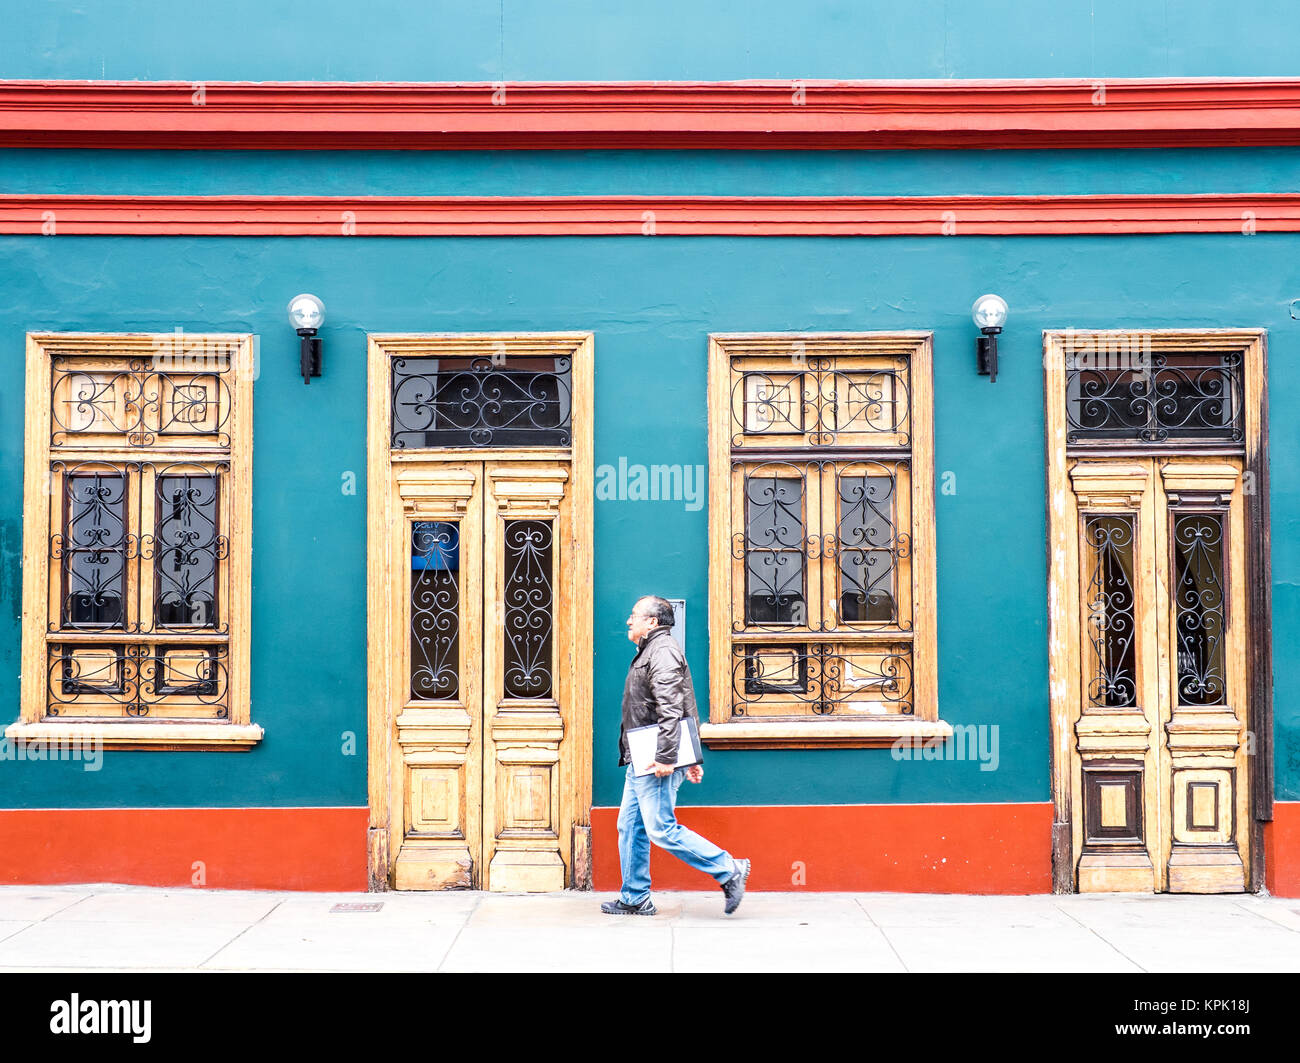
pixel 734 888
pixel 617 907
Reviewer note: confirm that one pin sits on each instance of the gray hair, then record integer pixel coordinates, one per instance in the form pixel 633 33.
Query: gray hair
pixel 659 608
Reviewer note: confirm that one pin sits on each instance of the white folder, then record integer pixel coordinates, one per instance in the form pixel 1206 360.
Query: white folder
pixel 643 743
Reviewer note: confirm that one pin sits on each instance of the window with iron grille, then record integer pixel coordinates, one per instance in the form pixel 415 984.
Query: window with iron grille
pixel 136 540
pixel 822 602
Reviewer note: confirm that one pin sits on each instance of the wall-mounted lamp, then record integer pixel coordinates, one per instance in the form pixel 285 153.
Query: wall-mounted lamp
pixel 990 314
pixel 307 315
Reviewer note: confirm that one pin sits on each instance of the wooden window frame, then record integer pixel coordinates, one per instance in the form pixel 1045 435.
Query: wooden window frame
pixel 230 444
pixel 829 731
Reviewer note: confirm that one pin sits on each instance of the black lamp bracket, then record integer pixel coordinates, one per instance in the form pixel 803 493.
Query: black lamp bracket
pixel 309 357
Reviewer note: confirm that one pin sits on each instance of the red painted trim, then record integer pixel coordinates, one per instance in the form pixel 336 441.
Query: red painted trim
pixel 1072 113
pixel 1282 850
pixel 240 848
pixel 904 848
pixel 639 215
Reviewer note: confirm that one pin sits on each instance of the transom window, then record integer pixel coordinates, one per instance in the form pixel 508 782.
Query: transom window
pixel 481 401
pixel 1122 390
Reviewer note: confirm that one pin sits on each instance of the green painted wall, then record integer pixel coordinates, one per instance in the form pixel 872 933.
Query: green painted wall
pixel 651 303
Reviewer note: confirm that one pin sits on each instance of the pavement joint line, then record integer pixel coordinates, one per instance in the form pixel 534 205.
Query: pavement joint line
pixel 14 933
pixel 1120 952
pixel 1264 911
pixel 451 947
pixel 265 914
pixel 66 907
pixel 45 918
pixel 881 931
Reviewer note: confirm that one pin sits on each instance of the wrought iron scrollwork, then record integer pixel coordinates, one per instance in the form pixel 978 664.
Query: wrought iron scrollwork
pixel 773 545
pixel 1111 604
pixel 822 678
pixel 1155 398
pixel 94 546
pixel 529 600
pixel 186 547
pixel 818 399
pixel 138 402
pixel 1199 617
pixel 864 545
pixel 481 402
pixel 98 554
pixel 106 680
pixel 435 610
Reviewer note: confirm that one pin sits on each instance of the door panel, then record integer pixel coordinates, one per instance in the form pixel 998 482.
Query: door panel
pixel 438 751
pixel 523 693
pixel 1159 764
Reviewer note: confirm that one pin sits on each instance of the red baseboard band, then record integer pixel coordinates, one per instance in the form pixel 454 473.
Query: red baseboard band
pixel 1004 848
pixel 220 848
pixel 1282 850
pixel 78 215
pixel 995 848
pixel 787 114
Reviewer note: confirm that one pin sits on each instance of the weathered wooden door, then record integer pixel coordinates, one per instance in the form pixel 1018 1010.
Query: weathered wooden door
pixel 1160 749
pixel 480 642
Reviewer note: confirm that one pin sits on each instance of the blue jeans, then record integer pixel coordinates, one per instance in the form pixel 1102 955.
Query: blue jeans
pixel 649 814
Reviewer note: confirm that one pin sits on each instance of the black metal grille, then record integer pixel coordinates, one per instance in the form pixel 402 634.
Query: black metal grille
pixel 481 402
pixel 98 680
pixel 97 549
pixel 1199 608
pixel 138 401
pixel 528 599
pixel 435 610
pixel 821 678
pixel 1154 398
pixel 777 544
pixel 1111 602
pixel 819 402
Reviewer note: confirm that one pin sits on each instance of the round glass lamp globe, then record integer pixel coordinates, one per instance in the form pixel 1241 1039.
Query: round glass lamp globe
pixel 989 312
pixel 306 312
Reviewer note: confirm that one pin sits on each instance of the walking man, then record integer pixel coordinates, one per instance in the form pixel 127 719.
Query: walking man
pixel 659 691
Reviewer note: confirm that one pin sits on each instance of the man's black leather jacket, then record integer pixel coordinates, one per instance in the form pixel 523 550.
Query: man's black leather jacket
pixel 658 690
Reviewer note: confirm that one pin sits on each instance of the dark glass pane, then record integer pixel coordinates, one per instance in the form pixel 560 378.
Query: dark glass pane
pixel 866 549
pixel 529 623
pixel 93 549
pixel 435 610
pixel 774 550
pixel 477 402
pixel 186 550
pixel 1109 541
pixel 1199 608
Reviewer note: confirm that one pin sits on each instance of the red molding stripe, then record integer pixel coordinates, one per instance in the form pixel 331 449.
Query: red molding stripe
pixel 645 215
pixel 903 848
pixel 236 848
pixel 1071 113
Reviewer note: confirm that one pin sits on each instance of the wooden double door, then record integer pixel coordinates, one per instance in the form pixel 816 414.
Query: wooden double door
pixel 1159 747
pixel 480 735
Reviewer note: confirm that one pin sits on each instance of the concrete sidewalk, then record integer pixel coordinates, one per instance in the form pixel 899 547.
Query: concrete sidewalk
pixel 109 927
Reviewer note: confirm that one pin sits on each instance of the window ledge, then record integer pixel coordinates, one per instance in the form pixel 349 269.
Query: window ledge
pixel 144 736
pixel 816 734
